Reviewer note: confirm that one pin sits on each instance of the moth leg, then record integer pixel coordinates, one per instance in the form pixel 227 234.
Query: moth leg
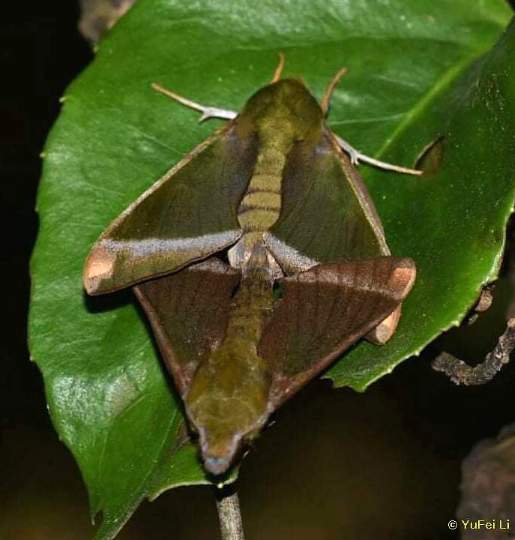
pixel 348 149
pixel 279 69
pixel 207 112
pixel 326 100
pixel 356 157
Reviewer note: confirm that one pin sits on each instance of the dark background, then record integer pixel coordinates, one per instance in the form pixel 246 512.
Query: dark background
pixel 336 464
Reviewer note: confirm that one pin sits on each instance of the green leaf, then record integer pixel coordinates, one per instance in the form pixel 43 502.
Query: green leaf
pixel 416 71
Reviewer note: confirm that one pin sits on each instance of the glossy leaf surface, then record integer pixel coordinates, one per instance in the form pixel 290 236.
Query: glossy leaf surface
pixel 412 77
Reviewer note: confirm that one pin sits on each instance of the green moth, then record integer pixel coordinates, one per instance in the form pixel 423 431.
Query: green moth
pixel 258 259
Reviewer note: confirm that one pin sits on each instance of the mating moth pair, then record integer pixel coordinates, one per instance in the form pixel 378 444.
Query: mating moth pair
pixel 258 259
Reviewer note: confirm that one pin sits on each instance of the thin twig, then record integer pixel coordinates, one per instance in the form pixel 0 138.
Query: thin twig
pixel 229 514
pixel 461 373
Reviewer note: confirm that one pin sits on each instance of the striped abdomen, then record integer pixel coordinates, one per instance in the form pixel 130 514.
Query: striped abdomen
pixel 261 205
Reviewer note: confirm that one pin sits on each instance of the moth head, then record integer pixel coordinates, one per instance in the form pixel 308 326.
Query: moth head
pixel 219 452
pixel 284 105
pixel 222 435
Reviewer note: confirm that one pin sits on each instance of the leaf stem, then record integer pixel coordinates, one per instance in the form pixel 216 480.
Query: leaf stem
pixel 229 514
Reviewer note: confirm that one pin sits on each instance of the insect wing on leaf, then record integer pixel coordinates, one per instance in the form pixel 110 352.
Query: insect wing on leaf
pixel 327 214
pixel 186 216
pixel 189 311
pixel 324 311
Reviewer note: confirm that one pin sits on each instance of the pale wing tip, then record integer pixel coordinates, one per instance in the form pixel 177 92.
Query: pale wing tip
pixel 385 330
pixel 403 277
pixel 402 281
pixel 98 268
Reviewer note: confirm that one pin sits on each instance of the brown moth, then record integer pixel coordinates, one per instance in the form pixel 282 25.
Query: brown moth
pixel 258 259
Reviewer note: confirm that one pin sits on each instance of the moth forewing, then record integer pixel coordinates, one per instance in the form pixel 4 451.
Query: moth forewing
pixel 184 217
pixel 385 330
pixel 361 193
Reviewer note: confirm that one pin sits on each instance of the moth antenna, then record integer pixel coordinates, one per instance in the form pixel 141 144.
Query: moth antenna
pixel 207 112
pixel 326 100
pixel 279 69
pixel 177 97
